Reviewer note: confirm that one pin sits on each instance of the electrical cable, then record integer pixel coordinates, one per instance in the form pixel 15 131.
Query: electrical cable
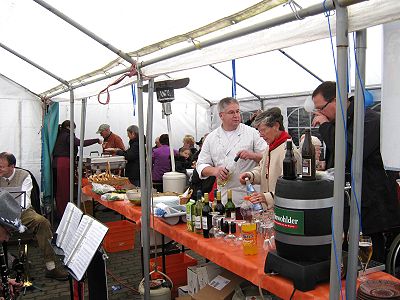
pixel 120 281
pixel 291 296
pixel 327 15
pixel 351 163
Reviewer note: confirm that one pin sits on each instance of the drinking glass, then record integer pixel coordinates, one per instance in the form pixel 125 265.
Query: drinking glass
pixel 239 223
pixel 214 228
pixel 230 236
pixel 218 233
pixel 364 254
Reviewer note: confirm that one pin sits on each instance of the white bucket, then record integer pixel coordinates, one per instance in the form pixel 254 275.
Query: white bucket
pixel 174 182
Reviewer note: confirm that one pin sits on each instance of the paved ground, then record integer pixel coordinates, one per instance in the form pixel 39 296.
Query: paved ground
pixel 124 272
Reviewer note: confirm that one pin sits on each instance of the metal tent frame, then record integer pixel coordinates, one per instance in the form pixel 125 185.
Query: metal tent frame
pixel 342 44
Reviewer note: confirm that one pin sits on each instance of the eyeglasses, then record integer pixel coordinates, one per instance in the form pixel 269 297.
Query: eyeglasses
pixel 232 112
pixel 322 108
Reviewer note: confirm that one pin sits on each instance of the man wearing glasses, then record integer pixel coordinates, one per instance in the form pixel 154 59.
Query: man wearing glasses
pixel 226 142
pixel 380 211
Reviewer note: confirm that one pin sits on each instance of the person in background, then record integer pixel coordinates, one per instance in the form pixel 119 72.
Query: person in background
pixel 188 143
pixel 110 139
pixel 161 161
pixel 61 162
pixel 226 142
pixel 380 210
pixel 183 161
pixel 270 125
pixel 34 222
pixel 319 164
pixel 10 222
pixel 132 169
pixel 157 143
pixel 196 155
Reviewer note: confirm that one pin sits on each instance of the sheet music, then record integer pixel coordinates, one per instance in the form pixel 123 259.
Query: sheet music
pixel 68 226
pixel 88 238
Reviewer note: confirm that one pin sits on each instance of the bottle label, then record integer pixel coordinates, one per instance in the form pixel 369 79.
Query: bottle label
pixel 205 223
pixel 188 217
pixel 198 222
pixel 306 167
pixel 233 215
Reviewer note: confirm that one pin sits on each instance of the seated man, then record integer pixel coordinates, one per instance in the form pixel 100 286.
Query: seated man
pixel 34 222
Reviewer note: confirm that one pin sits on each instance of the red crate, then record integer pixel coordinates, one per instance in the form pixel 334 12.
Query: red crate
pixel 120 236
pixel 176 267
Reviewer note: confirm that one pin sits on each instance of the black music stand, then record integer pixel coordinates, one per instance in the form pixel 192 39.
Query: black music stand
pixel 96 275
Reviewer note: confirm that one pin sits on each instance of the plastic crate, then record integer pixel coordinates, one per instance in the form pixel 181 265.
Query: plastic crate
pixel 120 236
pixel 176 267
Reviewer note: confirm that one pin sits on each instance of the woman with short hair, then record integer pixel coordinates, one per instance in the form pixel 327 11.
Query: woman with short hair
pixel 270 125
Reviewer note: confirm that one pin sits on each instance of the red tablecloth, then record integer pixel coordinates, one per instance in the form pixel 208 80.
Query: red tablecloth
pixel 228 256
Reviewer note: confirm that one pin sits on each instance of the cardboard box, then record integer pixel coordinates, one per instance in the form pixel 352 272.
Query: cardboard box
pixel 187 297
pixel 223 287
pixel 199 276
pixel 183 290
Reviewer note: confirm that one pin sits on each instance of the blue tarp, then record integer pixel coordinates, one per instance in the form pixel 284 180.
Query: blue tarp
pixel 49 136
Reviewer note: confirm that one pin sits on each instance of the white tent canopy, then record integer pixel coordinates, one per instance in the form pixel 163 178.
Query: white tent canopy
pixel 29 29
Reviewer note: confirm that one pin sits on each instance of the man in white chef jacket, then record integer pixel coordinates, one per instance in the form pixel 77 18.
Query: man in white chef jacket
pixel 226 142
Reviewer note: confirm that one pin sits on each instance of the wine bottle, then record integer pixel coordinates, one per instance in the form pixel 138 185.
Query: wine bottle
pixel 198 211
pixel 230 209
pixel 206 217
pixel 289 163
pixel 307 158
pixel 189 223
pixel 219 207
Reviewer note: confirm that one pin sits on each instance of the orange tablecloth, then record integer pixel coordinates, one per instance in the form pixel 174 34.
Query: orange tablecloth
pixel 230 257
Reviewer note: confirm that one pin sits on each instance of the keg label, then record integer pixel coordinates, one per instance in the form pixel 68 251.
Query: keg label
pixel 289 221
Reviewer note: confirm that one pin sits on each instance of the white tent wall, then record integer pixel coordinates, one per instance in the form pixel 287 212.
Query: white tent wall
pixel 390 143
pixel 189 116
pixel 20 125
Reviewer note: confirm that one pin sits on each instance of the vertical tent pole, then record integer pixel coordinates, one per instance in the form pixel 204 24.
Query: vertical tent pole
pixel 145 194
pixel 82 139
pixel 340 154
pixel 71 146
pixel 357 162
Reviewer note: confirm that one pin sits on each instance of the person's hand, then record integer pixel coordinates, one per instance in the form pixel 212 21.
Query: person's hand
pixel 221 173
pixel 15 287
pixel 194 164
pixel 242 177
pixel 257 198
pixel 245 154
pixel 319 119
pixel 100 141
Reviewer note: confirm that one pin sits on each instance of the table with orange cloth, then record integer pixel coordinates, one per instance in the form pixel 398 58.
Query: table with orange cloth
pixel 229 256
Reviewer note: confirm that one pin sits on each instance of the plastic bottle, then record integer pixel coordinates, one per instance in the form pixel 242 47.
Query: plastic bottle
pixel 249 232
pixel 257 207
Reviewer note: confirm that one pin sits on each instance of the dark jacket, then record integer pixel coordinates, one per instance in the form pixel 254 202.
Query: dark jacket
pixel 380 209
pixel 61 148
pixel 181 164
pixel 132 169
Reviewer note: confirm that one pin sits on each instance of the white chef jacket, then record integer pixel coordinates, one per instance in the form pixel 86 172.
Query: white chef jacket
pixel 220 148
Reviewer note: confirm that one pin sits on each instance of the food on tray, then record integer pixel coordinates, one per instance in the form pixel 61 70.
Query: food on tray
pixel 108 178
pixel 113 197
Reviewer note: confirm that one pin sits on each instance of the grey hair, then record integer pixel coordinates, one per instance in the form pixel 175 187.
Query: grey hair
pixel 133 129
pixel 269 118
pixel 223 103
